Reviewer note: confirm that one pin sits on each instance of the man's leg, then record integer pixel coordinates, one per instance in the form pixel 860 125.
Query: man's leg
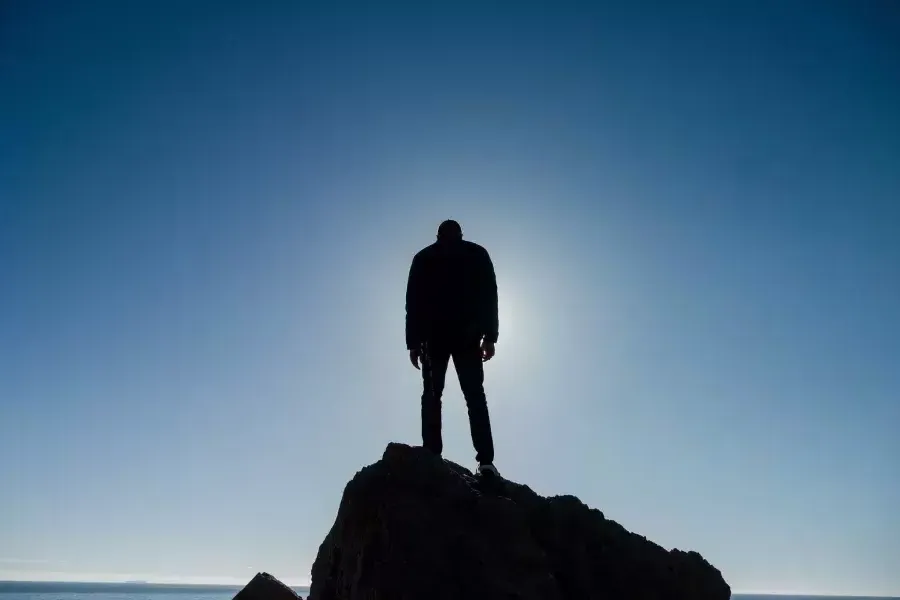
pixel 434 373
pixel 470 370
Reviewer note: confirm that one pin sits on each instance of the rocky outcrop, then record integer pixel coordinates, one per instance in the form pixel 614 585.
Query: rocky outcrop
pixel 265 587
pixel 414 527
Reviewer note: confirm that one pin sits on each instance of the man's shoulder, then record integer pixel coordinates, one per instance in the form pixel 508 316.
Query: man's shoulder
pixel 465 248
pixel 424 252
pixel 475 249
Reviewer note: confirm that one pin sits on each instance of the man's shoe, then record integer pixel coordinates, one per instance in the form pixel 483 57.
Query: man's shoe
pixel 488 469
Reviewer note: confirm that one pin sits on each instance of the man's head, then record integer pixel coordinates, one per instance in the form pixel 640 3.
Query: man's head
pixel 449 231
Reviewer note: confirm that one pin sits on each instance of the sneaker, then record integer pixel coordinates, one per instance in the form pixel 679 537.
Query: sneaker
pixel 488 469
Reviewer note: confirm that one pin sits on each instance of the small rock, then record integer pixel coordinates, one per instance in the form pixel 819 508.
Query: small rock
pixel 265 587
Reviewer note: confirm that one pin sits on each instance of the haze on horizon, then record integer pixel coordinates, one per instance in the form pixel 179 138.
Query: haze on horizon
pixel 207 213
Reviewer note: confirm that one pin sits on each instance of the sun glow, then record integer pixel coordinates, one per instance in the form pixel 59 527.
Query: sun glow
pixel 506 313
pixel 517 343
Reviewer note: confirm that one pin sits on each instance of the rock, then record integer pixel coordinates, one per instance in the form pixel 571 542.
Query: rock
pixel 415 527
pixel 265 587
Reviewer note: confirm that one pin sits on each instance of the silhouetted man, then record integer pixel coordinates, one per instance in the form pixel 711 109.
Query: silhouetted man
pixel 451 311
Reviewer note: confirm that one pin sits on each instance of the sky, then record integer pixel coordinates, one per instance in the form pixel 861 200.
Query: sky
pixel 208 211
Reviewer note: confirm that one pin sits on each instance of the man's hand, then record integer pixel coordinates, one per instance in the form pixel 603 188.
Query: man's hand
pixel 414 355
pixel 487 350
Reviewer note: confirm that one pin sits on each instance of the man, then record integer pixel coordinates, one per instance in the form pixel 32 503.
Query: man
pixel 451 311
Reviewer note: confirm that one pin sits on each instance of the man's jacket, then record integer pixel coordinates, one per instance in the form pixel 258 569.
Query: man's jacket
pixel 451 292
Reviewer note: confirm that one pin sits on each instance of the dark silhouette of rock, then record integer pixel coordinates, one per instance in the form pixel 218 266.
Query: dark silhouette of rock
pixel 265 587
pixel 415 527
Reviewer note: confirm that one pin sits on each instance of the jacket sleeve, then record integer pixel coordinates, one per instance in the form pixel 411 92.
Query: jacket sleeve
pixel 414 307
pixel 489 310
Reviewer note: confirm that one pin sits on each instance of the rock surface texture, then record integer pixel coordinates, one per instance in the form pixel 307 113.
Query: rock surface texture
pixel 415 527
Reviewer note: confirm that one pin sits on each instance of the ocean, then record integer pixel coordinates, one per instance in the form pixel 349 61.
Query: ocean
pixel 16 590
pixel 21 590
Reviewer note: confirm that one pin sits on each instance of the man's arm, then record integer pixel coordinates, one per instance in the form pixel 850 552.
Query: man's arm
pixel 414 305
pixel 489 309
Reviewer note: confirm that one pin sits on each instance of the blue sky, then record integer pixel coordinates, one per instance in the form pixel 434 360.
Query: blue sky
pixel 207 213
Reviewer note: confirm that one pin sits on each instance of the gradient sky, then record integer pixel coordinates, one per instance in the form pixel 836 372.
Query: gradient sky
pixel 207 213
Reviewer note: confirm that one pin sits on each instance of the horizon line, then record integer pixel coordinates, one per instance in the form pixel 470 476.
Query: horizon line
pixel 215 582
pixel 233 583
